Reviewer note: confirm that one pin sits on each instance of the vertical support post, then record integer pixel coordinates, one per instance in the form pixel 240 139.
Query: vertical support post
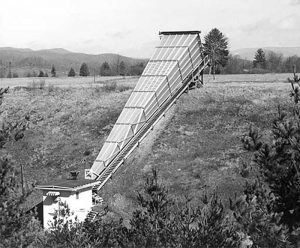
pixel 94 76
pixel 22 179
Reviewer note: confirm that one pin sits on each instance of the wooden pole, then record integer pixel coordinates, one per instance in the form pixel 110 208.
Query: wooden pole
pixel 22 179
pixel 94 76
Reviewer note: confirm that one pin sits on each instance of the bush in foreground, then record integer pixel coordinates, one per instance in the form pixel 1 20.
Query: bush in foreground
pixel 17 227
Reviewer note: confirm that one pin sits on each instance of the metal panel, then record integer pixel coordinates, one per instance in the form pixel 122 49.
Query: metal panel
pixel 173 60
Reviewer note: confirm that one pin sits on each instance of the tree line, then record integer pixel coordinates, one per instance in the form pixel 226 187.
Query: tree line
pixel 263 62
pixel 105 69
pixel 222 62
pixel 215 47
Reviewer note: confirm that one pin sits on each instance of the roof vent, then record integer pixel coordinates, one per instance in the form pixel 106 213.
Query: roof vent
pixel 73 175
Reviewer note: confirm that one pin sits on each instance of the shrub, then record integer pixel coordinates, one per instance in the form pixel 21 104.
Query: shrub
pixel 277 162
pixel 18 228
pixel 160 222
pixel 34 85
pixel 256 223
pixel 15 75
pixel 50 88
pixel 41 74
pixel 109 86
pixel 122 88
pixel 53 71
pixel 98 89
pixel 28 74
pixel 9 75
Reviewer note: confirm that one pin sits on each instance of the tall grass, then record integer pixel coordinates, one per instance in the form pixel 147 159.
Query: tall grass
pixel 109 86
pixel 113 87
pixel 39 84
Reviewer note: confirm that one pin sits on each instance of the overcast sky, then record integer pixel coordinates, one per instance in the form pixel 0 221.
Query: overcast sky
pixel 131 27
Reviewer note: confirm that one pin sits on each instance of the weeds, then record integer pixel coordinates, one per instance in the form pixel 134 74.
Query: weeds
pixel 122 88
pixel 98 89
pixel 37 85
pixel 34 85
pixel 114 87
pixel 109 86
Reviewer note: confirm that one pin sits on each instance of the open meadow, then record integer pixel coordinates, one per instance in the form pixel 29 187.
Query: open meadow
pixel 62 82
pixel 197 150
pixel 200 149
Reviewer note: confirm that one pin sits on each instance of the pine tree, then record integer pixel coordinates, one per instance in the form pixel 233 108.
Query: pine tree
pixel 53 71
pixel 279 159
pixel 41 74
pixel 105 69
pixel 9 75
pixel 71 73
pixel 84 70
pixel 216 47
pixel 259 59
pixel 122 68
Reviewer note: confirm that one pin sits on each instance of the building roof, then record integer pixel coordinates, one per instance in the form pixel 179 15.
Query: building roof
pixel 69 185
pixel 179 32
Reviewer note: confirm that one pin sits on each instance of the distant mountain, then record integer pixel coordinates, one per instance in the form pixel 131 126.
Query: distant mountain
pixel 25 59
pixel 12 49
pixel 248 53
pixel 55 50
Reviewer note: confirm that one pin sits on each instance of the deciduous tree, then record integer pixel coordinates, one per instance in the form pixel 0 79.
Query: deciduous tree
pixel 274 62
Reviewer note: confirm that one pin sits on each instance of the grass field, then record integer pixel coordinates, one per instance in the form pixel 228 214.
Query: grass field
pixel 80 82
pixel 198 149
pixel 67 126
pixel 63 82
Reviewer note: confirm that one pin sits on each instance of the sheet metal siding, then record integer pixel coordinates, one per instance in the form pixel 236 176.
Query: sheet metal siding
pixel 173 60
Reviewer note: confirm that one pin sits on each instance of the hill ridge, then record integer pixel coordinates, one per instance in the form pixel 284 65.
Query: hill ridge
pixel 24 59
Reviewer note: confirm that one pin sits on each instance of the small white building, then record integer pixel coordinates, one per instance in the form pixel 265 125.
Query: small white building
pixel 77 194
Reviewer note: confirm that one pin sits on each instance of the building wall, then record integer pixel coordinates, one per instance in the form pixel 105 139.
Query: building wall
pixel 80 203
